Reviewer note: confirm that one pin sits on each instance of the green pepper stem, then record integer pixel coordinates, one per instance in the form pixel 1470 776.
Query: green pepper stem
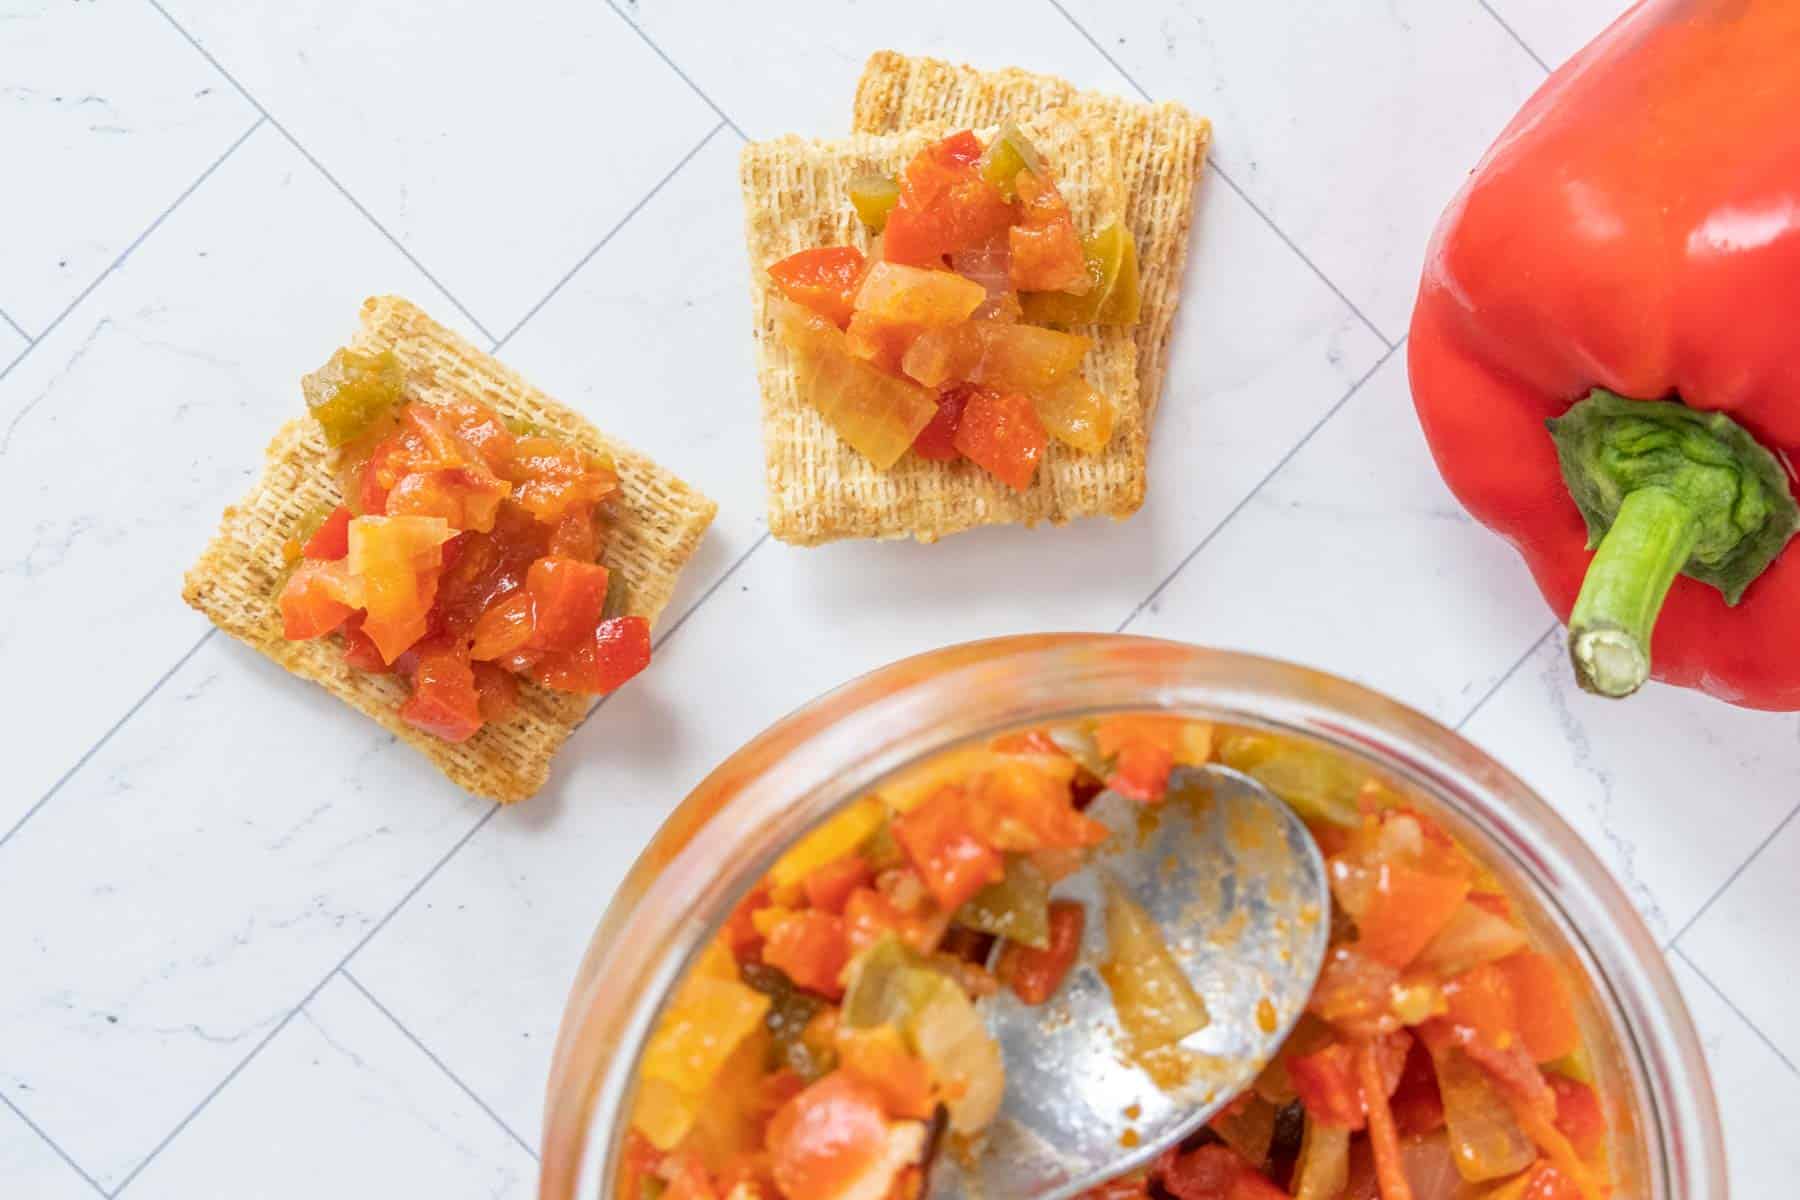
pixel 1626 583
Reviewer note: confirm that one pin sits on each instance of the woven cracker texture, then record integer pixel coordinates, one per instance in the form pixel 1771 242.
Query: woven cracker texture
pixel 658 523
pixel 821 490
pixel 1162 149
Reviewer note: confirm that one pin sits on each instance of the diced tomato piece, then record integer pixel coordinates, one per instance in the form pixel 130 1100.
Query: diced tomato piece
pixel 1578 1114
pixel 1481 1001
pixel 1407 908
pixel 1326 1083
pixel 879 1058
pixel 313 600
pixel 444 702
pixel 945 205
pixel 1034 975
pixel 740 930
pixel 690 1180
pixel 567 598
pixel 826 1138
pixel 619 649
pixel 1213 1172
pixel 1353 993
pixel 870 916
pixel 553 478
pixel 397 561
pixel 829 886
pixel 466 498
pixel 1023 810
pixel 575 535
pixel 937 441
pixel 359 651
pixel 641 1161
pixel 1128 1187
pixel 498 691
pixel 1418 1106
pixel 504 627
pixel 330 540
pixel 1544 1011
pixel 1001 433
pixel 811 948
pixel 953 862
pixel 824 279
pixel 1141 772
pixel 1047 254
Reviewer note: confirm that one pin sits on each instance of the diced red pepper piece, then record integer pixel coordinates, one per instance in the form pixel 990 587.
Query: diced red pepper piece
pixel 1493 903
pixel 567 599
pixel 361 652
pixel 690 1180
pixel 953 862
pixel 444 702
pixel 1000 432
pixel 1545 1182
pixel 1030 741
pixel 824 279
pixel 1034 975
pixel 1326 1083
pixel 1418 1105
pixel 811 948
pixel 1213 1172
pixel 619 649
pixel 1047 254
pixel 1025 810
pixel 1407 908
pixel 1481 1001
pixel 829 886
pixel 740 929
pixel 1578 1114
pixel 331 540
pixel 1354 993
pixel 870 916
pixel 937 441
pixel 1544 1011
pixel 641 1162
pixel 553 478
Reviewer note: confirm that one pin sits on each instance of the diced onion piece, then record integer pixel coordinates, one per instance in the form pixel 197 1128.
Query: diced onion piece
pixel 1324 1164
pixel 1114 298
pixel 1076 413
pixel 1157 1006
pixel 1471 937
pixel 903 295
pixel 1009 153
pixel 1486 1141
pixel 1018 907
pixel 877 414
pixel 1006 357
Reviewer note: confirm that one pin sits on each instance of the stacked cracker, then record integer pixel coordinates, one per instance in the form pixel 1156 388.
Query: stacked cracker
pixel 1115 160
pixel 658 523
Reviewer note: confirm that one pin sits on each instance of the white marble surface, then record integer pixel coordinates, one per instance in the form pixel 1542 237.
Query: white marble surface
pixel 220 975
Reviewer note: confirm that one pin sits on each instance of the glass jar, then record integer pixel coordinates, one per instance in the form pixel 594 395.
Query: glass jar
pixel 1667 1143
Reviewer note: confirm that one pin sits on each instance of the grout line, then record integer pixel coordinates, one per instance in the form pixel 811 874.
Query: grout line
pixel 1510 672
pixel 1231 183
pixel 135 243
pixel 1719 992
pixel 308 998
pixel 51 1142
pixel 107 736
pixel 320 167
pixel 670 63
pixel 1250 495
pixel 598 246
pixel 1523 44
pixel 17 328
pixel 693 608
pixel 437 1062
pixel 1731 879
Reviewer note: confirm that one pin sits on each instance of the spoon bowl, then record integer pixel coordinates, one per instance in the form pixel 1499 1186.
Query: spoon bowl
pixel 1235 884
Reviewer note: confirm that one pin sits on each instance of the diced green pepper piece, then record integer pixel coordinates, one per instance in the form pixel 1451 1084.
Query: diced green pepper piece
pixel 874 197
pixel 1320 785
pixel 1017 907
pixel 353 394
pixel 790 1011
pixel 1009 153
pixel 889 986
pixel 1113 299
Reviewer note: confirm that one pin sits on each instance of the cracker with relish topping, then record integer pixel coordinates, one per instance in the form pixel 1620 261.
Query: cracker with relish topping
pixel 796 197
pixel 1162 150
pixel 658 521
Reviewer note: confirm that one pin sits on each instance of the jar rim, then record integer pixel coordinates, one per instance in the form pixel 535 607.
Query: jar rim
pixel 725 834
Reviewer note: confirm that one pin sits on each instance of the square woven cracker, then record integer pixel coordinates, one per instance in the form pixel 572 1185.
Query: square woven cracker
pixel 658 523
pixel 820 490
pixel 1162 150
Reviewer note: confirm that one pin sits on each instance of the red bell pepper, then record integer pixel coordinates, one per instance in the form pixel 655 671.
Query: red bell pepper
pixel 1624 266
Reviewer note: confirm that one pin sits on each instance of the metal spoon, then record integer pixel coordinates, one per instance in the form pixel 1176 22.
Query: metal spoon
pixel 1235 883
